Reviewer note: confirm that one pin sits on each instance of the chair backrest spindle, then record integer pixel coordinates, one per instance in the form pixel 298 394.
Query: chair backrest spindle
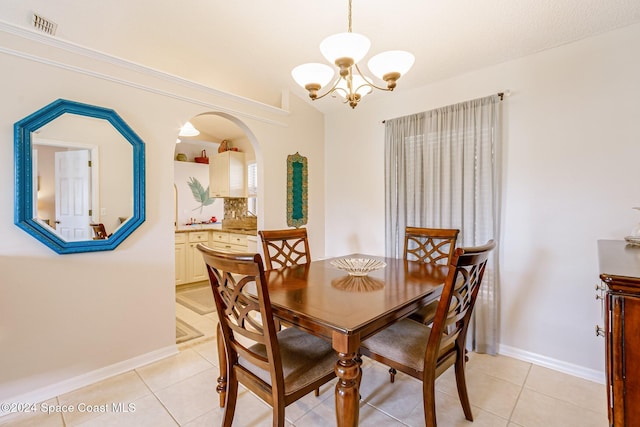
pixel 430 244
pixel 283 248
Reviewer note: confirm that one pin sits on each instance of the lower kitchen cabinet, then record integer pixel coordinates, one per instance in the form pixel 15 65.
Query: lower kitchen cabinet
pixel 252 243
pixel 181 258
pixel 190 266
pixel 230 242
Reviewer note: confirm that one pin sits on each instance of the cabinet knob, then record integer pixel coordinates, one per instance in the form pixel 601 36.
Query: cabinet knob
pixel 599 296
pixel 599 331
pixel 601 287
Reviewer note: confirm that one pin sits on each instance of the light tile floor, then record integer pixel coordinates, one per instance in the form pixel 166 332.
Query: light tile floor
pixel 180 390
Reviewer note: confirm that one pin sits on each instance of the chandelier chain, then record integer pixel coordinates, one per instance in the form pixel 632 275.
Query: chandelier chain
pixel 349 15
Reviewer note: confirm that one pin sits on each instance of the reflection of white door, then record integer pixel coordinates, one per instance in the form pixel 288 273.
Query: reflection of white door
pixel 72 195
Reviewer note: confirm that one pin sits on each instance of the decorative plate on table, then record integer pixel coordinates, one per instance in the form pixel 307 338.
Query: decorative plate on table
pixel 358 266
pixel 633 240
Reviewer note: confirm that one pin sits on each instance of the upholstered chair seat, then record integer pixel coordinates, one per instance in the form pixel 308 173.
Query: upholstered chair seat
pixel 304 358
pixel 405 342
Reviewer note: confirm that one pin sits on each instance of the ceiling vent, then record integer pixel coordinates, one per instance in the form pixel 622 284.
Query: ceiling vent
pixel 43 24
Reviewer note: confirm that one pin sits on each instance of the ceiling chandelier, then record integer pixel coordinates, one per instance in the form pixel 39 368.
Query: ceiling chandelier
pixel 345 50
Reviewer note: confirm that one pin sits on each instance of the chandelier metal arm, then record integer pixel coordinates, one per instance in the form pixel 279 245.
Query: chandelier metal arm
pixel 369 82
pixel 350 94
pixel 333 89
pixel 364 77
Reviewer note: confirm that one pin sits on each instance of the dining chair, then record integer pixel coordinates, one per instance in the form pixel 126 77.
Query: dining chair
pixel 285 247
pixel 279 367
pixel 99 232
pixel 429 245
pixel 434 245
pixel 427 351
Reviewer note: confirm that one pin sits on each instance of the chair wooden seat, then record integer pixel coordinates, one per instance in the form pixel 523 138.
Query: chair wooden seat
pixel 424 351
pixel 279 367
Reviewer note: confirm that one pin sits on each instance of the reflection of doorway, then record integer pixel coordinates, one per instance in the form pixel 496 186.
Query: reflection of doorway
pixel 72 178
pixel 65 197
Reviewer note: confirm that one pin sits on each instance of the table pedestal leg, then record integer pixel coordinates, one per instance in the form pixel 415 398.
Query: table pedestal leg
pixel 222 362
pixel 347 395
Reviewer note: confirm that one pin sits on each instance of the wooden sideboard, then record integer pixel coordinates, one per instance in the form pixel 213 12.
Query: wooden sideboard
pixel 619 266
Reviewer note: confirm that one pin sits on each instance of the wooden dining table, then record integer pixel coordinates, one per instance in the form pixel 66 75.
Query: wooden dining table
pixel 327 302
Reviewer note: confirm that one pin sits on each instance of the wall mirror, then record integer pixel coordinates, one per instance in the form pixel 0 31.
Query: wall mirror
pixel 79 177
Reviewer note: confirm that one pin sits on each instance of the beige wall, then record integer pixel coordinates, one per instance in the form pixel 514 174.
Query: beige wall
pixel 570 177
pixel 67 320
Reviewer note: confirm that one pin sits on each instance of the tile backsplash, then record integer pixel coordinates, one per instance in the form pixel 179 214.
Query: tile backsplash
pixel 235 208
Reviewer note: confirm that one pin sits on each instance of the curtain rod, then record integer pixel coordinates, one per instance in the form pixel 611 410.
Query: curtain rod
pixel 501 95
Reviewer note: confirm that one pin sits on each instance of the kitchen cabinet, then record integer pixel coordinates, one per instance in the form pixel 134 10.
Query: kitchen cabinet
pixel 227 175
pixel 190 266
pixel 181 258
pixel 619 266
pixel 231 242
pixel 252 243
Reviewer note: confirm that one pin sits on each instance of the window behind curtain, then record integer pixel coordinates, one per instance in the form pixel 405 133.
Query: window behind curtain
pixel 252 188
pixel 441 171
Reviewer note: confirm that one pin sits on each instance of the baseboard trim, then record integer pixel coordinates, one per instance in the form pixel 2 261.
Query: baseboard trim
pixel 555 364
pixel 71 384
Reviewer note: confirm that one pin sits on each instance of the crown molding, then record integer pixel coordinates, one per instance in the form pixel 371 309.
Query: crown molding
pixel 83 51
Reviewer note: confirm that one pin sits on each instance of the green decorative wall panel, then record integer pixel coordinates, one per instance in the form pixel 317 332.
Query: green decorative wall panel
pixel 297 198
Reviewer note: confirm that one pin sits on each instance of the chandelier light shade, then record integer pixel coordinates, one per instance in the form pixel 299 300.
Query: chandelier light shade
pixel 188 130
pixel 345 45
pixel 313 76
pixel 345 51
pixel 391 65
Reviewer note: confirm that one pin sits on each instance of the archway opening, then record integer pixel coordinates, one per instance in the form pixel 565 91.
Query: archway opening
pixel 211 210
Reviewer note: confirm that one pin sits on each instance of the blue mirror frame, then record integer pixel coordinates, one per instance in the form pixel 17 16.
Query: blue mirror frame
pixel 23 213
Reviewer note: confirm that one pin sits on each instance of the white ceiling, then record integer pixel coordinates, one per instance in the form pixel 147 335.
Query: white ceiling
pixel 248 47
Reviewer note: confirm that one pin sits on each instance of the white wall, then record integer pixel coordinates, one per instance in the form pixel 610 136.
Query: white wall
pixel 571 176
pixel 68 320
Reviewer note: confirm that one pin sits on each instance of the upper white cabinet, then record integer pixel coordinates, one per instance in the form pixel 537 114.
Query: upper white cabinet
pixel 227 173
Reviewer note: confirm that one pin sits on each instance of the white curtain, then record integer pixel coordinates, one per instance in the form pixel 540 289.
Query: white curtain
pixel 442 171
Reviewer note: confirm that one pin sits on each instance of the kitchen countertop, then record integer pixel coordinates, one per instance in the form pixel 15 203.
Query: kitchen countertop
pixel 199 227
pixel 248 232
pixel 217 227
